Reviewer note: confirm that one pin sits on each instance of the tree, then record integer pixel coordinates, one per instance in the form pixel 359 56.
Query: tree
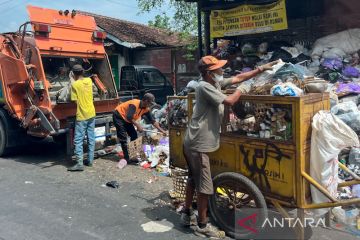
pixel 183 21
pixel 161 21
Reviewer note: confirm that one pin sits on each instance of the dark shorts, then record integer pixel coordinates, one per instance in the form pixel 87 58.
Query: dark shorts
pixel 199 171
pixel 123 128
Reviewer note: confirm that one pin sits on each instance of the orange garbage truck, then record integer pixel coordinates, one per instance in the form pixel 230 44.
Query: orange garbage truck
pixel 36 77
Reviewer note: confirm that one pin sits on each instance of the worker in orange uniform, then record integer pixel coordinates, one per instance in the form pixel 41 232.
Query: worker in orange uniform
pixel 82 94
pixel 126 116
pixel 203 137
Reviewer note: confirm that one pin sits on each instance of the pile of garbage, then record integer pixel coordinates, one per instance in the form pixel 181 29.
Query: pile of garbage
pixel 334 58
pixel 154 154
pixel 261 121
pixel 330 64
pixel 157 156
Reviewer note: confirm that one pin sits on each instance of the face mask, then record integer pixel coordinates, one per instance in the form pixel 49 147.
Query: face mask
pixel 217 77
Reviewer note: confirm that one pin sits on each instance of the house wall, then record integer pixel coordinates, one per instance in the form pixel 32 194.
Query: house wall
pixel 118 56
pixel 159 58
pixel 169 61
pixel 186 69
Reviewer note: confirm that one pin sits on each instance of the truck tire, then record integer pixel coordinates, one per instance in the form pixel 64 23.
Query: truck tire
pixel 3 139
pixel 227 205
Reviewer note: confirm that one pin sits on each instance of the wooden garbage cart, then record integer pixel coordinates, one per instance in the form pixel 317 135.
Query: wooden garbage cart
pixel 252 170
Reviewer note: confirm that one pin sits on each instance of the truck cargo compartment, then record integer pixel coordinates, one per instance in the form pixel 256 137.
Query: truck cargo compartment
pixel 58 73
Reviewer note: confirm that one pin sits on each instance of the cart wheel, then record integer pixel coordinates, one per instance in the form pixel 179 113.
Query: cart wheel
pixel 236 197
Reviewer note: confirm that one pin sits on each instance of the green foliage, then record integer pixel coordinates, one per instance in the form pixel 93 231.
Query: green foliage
pixel 161 21
pixel 184 20
pixel 184 14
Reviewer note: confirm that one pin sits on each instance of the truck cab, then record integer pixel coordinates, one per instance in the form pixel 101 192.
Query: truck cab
pixel 136 80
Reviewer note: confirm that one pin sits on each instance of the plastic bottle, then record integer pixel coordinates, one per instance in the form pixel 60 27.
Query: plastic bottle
pixel 122 163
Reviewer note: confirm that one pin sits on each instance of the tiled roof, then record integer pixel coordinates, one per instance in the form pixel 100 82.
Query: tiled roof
pixel 135 34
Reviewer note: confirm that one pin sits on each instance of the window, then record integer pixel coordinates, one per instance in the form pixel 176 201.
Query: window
pixel 151 78
pixel 128 80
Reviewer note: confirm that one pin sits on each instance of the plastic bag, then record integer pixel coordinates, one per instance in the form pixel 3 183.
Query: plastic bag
pixel 354 156
pixel 286 89
pixel 267 76
pixel 348 88
pixel 351 72
pixel 288 70
pixel 339 214
pixel 292 50
pixel 352 119
pixel 347 41
pixel 342 108
pixel 329 136
pixel 334 53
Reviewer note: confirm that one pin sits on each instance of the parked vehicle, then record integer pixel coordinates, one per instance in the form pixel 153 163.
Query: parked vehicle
pixel 136 80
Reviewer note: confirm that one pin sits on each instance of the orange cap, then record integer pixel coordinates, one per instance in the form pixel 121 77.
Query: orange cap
pixel 209 63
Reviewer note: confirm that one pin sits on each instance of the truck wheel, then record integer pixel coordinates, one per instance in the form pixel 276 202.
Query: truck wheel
pixel 2 139
pixel 237 198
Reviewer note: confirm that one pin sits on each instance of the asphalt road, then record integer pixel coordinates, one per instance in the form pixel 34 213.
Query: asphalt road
pixel 40 200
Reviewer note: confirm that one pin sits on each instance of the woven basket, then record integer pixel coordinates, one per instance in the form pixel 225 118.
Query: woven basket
pixel 135 148
pixel 179 178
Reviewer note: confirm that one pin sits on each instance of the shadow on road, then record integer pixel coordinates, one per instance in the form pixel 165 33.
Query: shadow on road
pixel 163 209
pixel 45 153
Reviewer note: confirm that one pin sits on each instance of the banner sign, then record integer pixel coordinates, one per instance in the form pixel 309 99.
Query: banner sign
pixel 248 19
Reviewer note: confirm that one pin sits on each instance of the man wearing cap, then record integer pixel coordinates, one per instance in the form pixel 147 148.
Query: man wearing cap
pixel 203 137
pixel 126 116
pixel 82 94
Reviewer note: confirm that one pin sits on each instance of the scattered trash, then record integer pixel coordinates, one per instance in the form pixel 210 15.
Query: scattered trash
pixel 29 182
pixel 113 184
pixel 121 164
pixel 120 154
pixel 339 214
pixel 101 152
pixel 117 149
pixel 124 206
pixel 146 165
pixel 179 208
pixel 157 226
pixel 152 179
pixel 351 216
pixel 160 202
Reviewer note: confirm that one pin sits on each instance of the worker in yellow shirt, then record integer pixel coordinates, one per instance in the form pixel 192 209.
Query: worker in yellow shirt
pixel 82 94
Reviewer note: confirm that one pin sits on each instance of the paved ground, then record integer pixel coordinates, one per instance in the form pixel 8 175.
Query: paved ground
pixel 40 200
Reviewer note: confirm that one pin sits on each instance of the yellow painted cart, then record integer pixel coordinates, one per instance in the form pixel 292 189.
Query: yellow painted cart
pixel 256 172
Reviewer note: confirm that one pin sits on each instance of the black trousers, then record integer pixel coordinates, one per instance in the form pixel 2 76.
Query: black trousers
pixel 123 130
